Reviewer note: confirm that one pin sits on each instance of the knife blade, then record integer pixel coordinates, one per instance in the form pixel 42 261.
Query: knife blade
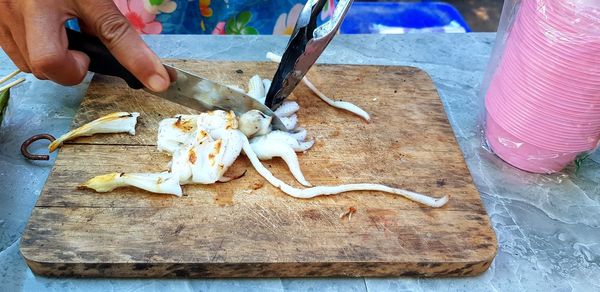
pixel 203 94
pixel 186 88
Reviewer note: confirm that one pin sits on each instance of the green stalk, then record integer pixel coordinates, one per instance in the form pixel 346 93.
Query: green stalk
pixel 5 91
pixel 4 96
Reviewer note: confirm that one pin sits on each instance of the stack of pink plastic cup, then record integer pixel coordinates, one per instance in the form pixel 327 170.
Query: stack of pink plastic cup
pixel 543 102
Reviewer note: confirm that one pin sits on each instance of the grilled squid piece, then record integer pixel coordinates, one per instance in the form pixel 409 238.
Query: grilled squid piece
pixel 332 190
pixel 283 145
pixel 268 145
pixel 294 140
pixel 267 84
pixel 287 109
pixel 203 146
pixel 290 122
pixel 347 106
pixel 175 132
pixel 266 150
pixel 254 122
pixel 208 158
pixel 256 89
pixel 286 112
pixel 161 183
pixel 119 122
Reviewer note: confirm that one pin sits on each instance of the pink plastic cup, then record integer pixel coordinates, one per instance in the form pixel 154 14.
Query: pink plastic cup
pixel 583 18
pixel 530 68
pixel 522 154
pixel 554 143
pixel 567 56
pixel 567 17
pixel 584 74
pixel 543 103
pixel 542 128
pixel 554 100
pixel 557 99
pixel 528 76
pixel 551 37
pixel 538 34
pixel 527 50
pixel 526 124
pixel 514 97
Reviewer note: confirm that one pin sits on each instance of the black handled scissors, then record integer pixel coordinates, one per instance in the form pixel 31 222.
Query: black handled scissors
pixel 304 48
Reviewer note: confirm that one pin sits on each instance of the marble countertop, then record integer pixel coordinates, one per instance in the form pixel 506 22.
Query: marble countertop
pixel 548 226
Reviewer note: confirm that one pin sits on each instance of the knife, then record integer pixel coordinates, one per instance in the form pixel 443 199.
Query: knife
pixel 187 89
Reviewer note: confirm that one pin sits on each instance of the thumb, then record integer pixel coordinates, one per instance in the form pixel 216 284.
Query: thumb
pixel 112 28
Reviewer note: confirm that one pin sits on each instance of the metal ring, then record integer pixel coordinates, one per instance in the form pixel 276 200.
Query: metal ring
pixel 28 142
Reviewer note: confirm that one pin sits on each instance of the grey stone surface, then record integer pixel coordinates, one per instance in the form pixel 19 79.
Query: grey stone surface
pixel 548 226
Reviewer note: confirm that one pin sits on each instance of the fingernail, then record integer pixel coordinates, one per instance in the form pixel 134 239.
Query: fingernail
pixel 157 83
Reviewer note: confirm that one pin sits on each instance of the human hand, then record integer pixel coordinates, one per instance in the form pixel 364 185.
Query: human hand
pixel 33 35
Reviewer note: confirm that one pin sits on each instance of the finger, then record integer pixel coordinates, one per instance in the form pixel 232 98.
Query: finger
pixel 18 35
pixel 10 48
pixel 48 53
pixel 13 30
pixel 125 43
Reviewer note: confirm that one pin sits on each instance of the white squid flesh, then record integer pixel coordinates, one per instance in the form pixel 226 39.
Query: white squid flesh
pixel 119 122
pixel 161 183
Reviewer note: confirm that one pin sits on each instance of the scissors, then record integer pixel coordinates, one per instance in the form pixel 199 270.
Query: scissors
pixel 306 44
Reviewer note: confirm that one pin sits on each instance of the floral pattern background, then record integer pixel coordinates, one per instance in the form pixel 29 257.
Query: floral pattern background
pixel 219 17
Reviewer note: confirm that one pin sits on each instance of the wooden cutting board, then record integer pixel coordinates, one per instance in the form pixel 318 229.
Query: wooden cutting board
pixel 247 228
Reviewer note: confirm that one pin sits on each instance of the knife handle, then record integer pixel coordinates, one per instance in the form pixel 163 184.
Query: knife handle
pixel 101 60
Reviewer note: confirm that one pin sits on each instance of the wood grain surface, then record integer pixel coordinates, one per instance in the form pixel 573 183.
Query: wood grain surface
pixel 247 228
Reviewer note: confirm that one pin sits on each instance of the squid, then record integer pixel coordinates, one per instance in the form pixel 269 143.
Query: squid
pixel 295 141
pixel 213 145
pixel 119 122
pixel 256 89
pixel 269 146
pixel 254 122
pixel 208 158
pixel 161 183
pixel 203 146
pixel 332 190
pixel 287 108
pixel 175 132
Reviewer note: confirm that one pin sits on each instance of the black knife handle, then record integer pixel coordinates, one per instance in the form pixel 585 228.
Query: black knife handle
pixel 101 60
